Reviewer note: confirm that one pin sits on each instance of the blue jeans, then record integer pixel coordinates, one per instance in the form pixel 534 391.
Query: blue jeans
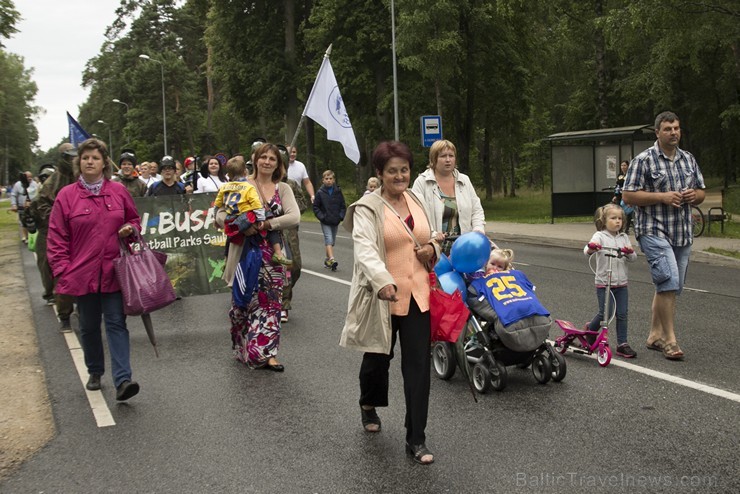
pixel 107 306
pixel 330 233
pixel 622 302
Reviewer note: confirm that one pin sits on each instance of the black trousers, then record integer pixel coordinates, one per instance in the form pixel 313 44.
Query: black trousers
pixel 64 303
pixel 414 331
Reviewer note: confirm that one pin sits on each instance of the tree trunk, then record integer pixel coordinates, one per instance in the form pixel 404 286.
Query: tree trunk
pixel 513 161
pixel 486 161
pixel 499 184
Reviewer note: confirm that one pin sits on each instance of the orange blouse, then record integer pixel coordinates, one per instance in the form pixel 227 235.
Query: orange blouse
pixel 408 272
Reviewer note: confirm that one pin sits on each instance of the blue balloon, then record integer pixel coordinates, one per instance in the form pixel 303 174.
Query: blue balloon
pixel 470 252
pixel 443 265
pixel 452 281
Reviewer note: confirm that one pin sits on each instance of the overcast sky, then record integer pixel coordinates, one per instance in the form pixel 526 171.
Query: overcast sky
pixel 56 39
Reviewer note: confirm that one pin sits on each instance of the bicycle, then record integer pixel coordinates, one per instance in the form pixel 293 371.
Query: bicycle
pixel 697 221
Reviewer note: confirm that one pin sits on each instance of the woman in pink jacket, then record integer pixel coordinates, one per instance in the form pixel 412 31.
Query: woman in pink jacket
pixel 86 221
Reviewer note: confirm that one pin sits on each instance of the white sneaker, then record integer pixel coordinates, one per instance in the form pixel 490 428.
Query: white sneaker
pixel 284 316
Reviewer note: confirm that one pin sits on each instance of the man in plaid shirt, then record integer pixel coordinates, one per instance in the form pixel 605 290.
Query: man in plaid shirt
pixel 663 182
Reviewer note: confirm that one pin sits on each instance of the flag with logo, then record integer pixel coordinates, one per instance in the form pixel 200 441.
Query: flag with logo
pixel 76 133
pixel 326 107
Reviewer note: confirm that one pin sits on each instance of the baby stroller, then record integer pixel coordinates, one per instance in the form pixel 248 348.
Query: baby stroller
pixel 486 347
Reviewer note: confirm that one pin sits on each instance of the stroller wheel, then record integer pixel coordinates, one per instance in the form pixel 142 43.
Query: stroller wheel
pixel 499 376
pixel 541 368
pixel 443 360
pixel 482 378
pixel 559 368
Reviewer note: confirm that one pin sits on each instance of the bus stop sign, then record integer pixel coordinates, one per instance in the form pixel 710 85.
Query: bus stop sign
pixel 431 129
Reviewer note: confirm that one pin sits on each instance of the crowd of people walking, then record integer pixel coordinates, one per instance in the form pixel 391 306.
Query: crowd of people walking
pixel 84 211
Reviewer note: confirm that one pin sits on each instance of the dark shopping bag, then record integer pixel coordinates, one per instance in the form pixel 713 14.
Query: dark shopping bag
pixel 144 283
pixel 448 313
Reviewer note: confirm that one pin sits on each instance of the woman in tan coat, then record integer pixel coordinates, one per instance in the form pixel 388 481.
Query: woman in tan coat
pixel 389 296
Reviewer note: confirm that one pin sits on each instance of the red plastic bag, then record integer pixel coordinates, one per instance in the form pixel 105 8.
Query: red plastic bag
pixel 144 283
pixel 449 315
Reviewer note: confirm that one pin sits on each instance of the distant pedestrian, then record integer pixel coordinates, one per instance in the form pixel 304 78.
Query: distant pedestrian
pixel 293 245
pixel 188 173
pixel 663 182
pixel 87 220
pixel 21 195
pixel 145 175
pixel 168 186
pixel 372 184
pixel 128 175
pixel 211 177
pixel 297 172
pixel 41 207
pixel 329 208
pixel 610 221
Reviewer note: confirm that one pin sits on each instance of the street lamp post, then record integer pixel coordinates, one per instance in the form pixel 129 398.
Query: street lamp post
pixel 110 137
pixel 118 101
pixel 164 107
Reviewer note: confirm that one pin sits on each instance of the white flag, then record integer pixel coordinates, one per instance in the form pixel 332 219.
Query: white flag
pixel 326 108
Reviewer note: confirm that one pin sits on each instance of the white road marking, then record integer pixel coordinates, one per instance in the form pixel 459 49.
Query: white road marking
pixel 326 277
pixel 695 290
pixel 322 234
pixel 669 378
pixel 617 363
pixel 99 407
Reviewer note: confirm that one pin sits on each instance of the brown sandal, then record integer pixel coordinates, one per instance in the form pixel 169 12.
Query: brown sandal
pixel 657 345
pixel 671 351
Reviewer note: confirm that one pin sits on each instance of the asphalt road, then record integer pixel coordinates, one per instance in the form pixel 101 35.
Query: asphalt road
pixel 204 423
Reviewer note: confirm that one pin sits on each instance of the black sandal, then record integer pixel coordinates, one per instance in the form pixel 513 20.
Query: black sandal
pixel 370 417
pixel 418 452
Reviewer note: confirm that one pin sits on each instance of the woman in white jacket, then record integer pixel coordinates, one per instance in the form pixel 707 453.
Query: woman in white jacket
pixel 454 206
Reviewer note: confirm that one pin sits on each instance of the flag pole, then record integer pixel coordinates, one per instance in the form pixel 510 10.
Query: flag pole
pixel 303 115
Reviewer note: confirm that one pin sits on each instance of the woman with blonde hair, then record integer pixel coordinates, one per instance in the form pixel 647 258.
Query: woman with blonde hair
pixel 454 206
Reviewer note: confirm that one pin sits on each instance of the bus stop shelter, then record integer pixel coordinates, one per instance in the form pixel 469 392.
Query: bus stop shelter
pixel 585 164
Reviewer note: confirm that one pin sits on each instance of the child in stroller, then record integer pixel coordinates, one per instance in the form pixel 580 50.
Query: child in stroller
pixel 508 326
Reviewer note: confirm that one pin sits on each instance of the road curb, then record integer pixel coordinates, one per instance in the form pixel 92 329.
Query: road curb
pixel 696 255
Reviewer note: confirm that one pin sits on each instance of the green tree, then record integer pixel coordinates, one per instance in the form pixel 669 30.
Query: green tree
pixel 9 17
pixel 17 112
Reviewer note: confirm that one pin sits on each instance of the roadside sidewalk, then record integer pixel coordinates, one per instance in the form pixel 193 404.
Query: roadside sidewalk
pixel 576 235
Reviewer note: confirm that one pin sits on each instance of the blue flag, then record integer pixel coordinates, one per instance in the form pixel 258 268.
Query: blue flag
pixel 76 133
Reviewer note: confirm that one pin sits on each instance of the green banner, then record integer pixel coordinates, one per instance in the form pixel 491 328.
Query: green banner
pixel 184 228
